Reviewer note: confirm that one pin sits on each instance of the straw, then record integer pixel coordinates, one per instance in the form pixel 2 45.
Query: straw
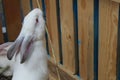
pixel 53 52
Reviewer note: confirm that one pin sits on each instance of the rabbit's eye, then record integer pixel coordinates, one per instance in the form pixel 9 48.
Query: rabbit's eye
pixel 37 20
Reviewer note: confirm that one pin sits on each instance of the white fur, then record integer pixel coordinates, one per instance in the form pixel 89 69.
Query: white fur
pixel 4 62
pixel 35 67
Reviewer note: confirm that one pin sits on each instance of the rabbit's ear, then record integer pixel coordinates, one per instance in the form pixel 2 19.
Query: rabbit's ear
pixel 30 30
pixel 14 48
pixel 22 46
pixel 4 47
pixel 25 48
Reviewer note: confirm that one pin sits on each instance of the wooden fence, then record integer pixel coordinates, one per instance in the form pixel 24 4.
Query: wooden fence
pixel 85 35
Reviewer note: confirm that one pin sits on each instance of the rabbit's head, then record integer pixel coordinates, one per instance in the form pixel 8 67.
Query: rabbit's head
pixel 33 29
pixel 34 24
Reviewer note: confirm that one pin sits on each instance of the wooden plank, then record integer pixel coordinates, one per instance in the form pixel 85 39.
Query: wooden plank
pixel 67 28
pixel 86 37
pixel 1 34
pixel 118 1
pixel 48 24
pixel 25 6
pixel 108 29
pixel 51 77
pixel 13 18
pixel 64 75
pixel 35 3
pixel 51 19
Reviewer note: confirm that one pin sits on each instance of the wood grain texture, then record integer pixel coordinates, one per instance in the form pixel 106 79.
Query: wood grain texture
pixel 108 29
pixel 35 5
pixel 47 3
pixel 1 34
pixel 67 28
pixel 51 19
pixel 86 37
pixel 51 78
pixel 25 6
pixel 13 18
pixel 63 74
pixel 118 1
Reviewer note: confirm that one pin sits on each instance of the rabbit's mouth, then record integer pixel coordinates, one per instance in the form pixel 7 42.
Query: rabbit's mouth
pixel 21 46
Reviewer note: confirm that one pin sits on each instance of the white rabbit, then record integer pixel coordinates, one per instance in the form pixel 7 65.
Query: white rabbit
pixel 29 49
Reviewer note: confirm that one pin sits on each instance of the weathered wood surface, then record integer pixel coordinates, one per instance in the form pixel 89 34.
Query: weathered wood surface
pixel 52 25
pixel 51 78
pixel 34 4
pixel 25 6
pixel 63 74
pixel 118 1
pixel 86 37
pixel 108 30
pixel 67 28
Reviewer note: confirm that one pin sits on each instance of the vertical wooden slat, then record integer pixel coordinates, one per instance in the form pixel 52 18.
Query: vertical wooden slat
pixel 51 78
pixel 25 6
pixel 1 35
pixel 13 18
pixel 35 3
pixel 86 37
pixel 116 1
pixel 51 18
pixel 67 28
pixel 108 29
pixel 47 3
pixel 64 75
